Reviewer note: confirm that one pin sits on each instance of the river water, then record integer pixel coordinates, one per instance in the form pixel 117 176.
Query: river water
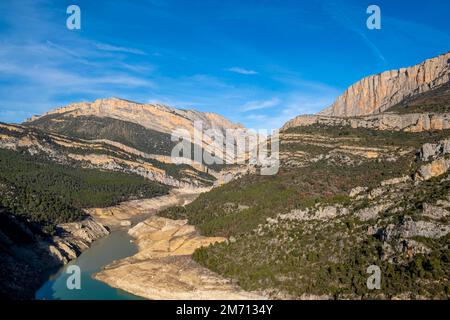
pixel 117 245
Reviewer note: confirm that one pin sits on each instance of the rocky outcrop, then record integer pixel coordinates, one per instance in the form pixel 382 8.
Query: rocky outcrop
pixel 415 122
pixel 318 213
pixel 163 268
pixel 409 228
pixel 232 173
pixel 74 238
pixel 357 191
pixel 436 212
pixel 379 92
pixel 434 169
pixel 437 154
pixel 372 212
pixel 434 150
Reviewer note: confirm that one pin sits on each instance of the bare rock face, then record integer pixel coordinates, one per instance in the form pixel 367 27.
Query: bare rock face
pixel 154 116
pixel 413 122
pixel 75 238
pixel 372 212
pixel 319 213
pixel 157 117
pixel 437 154
pixel 379 92
pixel 410 228
pixel 434 169
pixel 434 150
pixel 435 212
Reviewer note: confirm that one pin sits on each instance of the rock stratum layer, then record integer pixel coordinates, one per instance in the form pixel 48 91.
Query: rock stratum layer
pixel 157 117
pixel 27 259
pixel 377 93
pixel 101 154
pixel 414 122
pixel 128 212
pixel 163 268
pixel 154 116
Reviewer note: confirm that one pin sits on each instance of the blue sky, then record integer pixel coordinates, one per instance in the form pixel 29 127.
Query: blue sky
pixel 259 63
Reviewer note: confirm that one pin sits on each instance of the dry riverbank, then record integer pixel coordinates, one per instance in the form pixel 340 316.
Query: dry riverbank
pixel 129 212
pixel 76 237
pixel 163 268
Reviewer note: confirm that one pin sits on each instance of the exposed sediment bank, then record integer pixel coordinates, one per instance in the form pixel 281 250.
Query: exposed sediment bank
pixel 163 268
pixel 129 212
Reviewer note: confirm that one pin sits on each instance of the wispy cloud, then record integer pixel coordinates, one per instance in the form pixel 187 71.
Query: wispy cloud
pixel 53 67
pixel 290 106
pixel 242 71
pixel 258 105
pixel 113 48
pixel 350 18
pixel 43 66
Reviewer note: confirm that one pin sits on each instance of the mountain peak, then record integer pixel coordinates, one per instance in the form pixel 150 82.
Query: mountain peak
pixel 377 93
pixel 157 117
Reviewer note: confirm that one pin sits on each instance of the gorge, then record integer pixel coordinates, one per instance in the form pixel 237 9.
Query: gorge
pixel 366 182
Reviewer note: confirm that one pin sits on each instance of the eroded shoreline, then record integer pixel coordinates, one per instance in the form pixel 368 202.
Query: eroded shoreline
pixel 163 267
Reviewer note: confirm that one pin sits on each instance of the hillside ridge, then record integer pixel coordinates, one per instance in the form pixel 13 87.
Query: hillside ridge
pixel 377 93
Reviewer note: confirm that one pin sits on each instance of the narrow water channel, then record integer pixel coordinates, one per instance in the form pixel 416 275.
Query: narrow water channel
pixel 117 245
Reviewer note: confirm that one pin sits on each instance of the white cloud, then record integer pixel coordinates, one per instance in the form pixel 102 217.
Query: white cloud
pixel 258 105
pixel 113 48
pixel 242 71
pixel 290 106
pixel 39 73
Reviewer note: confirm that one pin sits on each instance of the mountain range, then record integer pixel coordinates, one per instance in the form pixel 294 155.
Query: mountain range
pixel 364 182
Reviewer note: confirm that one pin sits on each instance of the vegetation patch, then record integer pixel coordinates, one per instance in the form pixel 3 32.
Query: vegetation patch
pixel 49 193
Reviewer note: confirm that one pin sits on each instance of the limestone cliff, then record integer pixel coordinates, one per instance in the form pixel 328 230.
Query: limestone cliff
pixel 414 122
pixel 74 238
pixel 378 93
pixel 155 117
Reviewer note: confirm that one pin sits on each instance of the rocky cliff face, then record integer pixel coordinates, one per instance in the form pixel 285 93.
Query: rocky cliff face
pixel 74 238
pixel 155 117
pixel 379 92
pixel 413 122
pixel 28 257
